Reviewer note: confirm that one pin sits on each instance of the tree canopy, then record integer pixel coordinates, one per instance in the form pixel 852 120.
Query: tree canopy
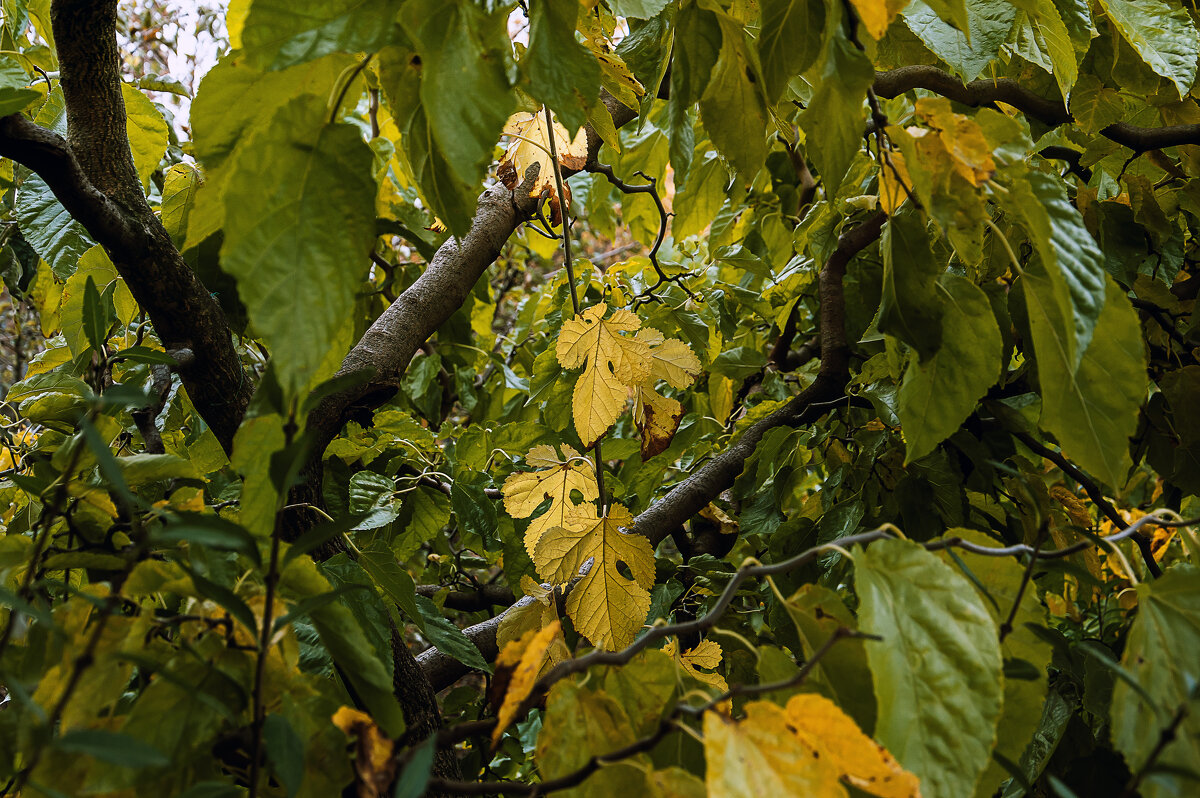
pixel 644 397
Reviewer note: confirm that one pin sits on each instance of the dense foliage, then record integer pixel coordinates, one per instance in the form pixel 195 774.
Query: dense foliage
pixel 841 446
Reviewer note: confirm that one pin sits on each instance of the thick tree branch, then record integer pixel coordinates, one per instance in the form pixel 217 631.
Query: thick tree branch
pixel 1046 110
pixel 92 174
pixel 481 598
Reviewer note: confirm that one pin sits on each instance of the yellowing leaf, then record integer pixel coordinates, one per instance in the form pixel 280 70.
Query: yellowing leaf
pixel 373 759
pixel 607 607
pixel 876 15
pixel 657 417
pixel 529 616
pixel 894 183
pixel 863 762
pixel 613 363
pixel 706 655
pixel 961 136
pixel 530 655
pixel 530 144
pixel 759 756
pixel 525 491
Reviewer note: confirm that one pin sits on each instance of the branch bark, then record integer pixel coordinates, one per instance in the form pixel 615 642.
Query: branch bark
pixel 92 175
pixel 1046 110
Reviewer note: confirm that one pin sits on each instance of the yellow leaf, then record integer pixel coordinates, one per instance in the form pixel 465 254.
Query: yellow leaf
pixel 607 607
pixel 671 360
pixel 759 757
pixel 961 136
pixel 706 655
pixel 876 15
pixel 613 364
pixel 864 763
pixel 530 616
pixel 894 183
pixel 529 655
pixel 530 144
pixel 373 759
pixel 657 418
pixel 525 491
pixel 725 524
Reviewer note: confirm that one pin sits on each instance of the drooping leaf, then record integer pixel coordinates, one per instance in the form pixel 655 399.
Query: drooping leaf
pixel 1162 655
pixel 911 308
pixel 733 106
pixel 835 117
pixel 937 672
pixel 525 658
pixel 937 395
pixel 790 41
pixel 988 23
pixel 562 72
pixel 288 247
pixel 606 606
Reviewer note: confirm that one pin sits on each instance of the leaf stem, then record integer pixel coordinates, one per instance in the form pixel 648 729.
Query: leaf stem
pixel 566 219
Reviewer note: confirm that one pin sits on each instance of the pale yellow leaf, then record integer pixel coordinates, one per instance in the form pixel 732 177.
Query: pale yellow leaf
pixel 876 15
pixel 607 607
pixel 758 757
pixel 524 492
pixel 671 360
pixel 894 183
pixel 706 655
pixel 613 364
pixel 529 143
pixel 526 658
pixel 866 764
pixel 961 136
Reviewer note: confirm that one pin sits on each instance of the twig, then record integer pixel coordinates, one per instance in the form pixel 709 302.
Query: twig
pixel 1007 627
pixel 650 188
pixel 1095 494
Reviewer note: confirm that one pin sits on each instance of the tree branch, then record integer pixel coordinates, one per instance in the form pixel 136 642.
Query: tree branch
pixel 1048 111
pixel 92 175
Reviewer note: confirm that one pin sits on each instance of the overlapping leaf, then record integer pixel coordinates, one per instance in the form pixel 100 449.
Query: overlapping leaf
pixel 555 480
pixel 700 663
pixel 529 144
pixel 606 606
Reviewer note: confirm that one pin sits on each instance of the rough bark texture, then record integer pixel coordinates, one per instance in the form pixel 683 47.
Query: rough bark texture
pixel 92 174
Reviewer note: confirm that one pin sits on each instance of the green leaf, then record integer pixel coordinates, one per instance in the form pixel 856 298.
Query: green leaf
pixel 448 638
pixel 563 73
pixel 733 107
pixel 233 101
pixel 280 33
pixel 285 749
pixel 140 469
pixel 700 198
pixel 451 198
pixel 464 86
pixel 954 12
pixel 789 42
pixel 937 395
pixel 112 747
pixel 835 117
pixel 578 722
pixel 1163 655
pixel 937 672
pixel 95 316
pixel 911 307
pixel 148 134
pixel 14 96
pixel 415 776
pixel 638 9
pixel 48 228
pixel 1048 43
pixel 289 246
pixel 999 580
pixel 180 185
pixel 1163 34
pixel 374 496
pixel 1070 256
pixel 1094 411
pixel 988 22
pixel 209 531
pixel 1094 105
pixel 390 577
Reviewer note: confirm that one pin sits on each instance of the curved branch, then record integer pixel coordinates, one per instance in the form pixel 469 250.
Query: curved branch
pixel 92 175
pixel 1046 110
